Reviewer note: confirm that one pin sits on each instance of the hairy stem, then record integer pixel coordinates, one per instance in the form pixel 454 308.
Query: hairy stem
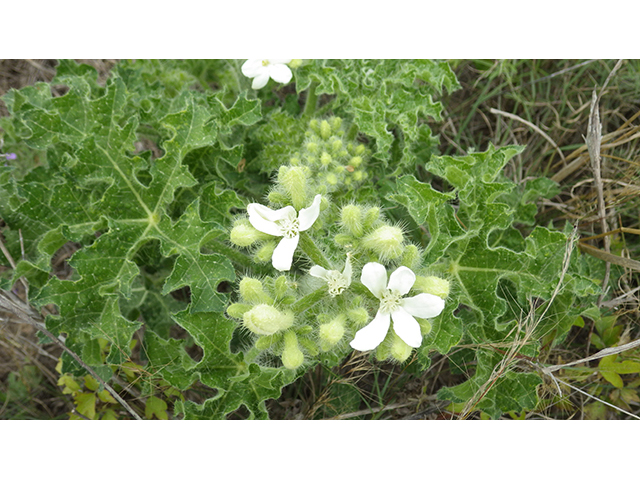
pixel 308 301
pixel 312 251
pixel 312 101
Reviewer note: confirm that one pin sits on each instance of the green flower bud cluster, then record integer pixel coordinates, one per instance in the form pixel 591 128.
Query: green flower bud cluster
pixel 363 229
pixel 334 160
pixel 300 316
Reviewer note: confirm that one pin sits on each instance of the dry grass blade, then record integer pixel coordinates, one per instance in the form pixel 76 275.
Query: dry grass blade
pixel 531 125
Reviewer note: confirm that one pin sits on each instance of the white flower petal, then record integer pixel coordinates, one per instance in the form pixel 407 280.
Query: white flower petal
pixel 280 73
pixel 252 68
pixel 373 334
pixel 347 272
pixel 283 254
pixel 261 80
pixel 424 305
pixel 263 218
pixel 318 271
pixel 308 215
pixel 407 327
pixel 374 277
pixel 402 280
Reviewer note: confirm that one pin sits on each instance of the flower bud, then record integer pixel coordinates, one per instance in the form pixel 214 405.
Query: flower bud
pixel 360 149
pixel 325 130
pixel 280 286
pixel 237 310
pixel 295 63
pixel 277 198
pixel 252 291
pixel 358 317
pixel 267 341
pixel 294 181
pixel 325 159
pixel 312 147
pixel 315 126
pixel 358 176
pixel 343 239
pixel 332 332
pixel 243 234
pixel 331 179
pixel 399 351
pixel 425 325
pixel 371 216
pixel 386 241
pixel 265 252
pixel 336 123
pixel 267 320
pixel 433 285
pixel 355 161
pixel 383 351
pixel 351 217
pixel 410 256
pixel 292 356
pixel 336 146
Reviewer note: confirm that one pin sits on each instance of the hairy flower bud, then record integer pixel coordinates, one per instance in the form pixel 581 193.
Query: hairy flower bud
pixel 292 356
pixel 332 332
pixel 386 241
pixel 267 320
pixel 264 253
pixel 410 256
pixel 243 234
pixel 252 291
pixel 358 317
pixel 351 216
pixel 355 161
pixel 399 350
pixel 433 285
pixel 325 130
pixel 294 181
pixel 325 159
pixel 237 310
pixel 371 216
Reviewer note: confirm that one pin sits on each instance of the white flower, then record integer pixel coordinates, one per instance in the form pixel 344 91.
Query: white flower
pixel 393 306
pixel 284 223
pixel 261 70
pixel 336 281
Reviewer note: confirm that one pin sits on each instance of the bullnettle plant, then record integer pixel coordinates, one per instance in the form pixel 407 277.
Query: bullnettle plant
pixel 207 232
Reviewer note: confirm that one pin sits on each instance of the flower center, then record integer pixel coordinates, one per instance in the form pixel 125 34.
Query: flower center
pixel 336 282
pixel 289 228
pixel 390 301
pixel 265 63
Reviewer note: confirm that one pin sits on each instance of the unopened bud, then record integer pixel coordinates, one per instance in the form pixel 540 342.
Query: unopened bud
pixel 386 241
pixel 331 179
pixel 336 146
pixel 332 332
pixel 295 63
pixel 325 159
pixel 277 198
pixel 360 149
pixel 355 161
pixel 252 291
pixel 325 130
pixel 312 147
pixel 425 325
pixel 410 256
pixel 351 216
pixel 399 351
pixel 267 341
pixel 433 285
pixel 370 216
pixel 358 317
pixel 237 310
pixel 243 234
pixel 265 252
pixel 280 286
pixel 336 123
pixel 292 356
pixel 267 320
pixel 294 181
